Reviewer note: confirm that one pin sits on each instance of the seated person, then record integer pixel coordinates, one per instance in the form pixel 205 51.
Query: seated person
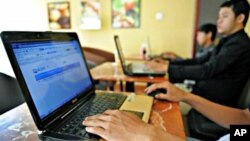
pixel 222 74
pixel 226 69
pixel 114 125
pixel 205 39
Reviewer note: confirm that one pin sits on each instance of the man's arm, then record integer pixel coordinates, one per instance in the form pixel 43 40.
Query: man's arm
pixel 114 125
pixel 228 57
pixel 159 65
pixel 194 61
pixel 223 115
pixel 218 113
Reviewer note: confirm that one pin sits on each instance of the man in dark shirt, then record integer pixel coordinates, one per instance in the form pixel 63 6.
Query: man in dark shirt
pixel 221 75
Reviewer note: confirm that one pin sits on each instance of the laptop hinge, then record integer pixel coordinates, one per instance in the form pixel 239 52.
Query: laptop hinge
pixel 62 117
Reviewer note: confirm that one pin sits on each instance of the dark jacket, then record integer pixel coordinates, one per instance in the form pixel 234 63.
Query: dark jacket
pixel 221 74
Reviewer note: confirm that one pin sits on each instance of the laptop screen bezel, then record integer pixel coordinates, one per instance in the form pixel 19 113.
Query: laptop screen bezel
pixel 12 36
pixel 120 54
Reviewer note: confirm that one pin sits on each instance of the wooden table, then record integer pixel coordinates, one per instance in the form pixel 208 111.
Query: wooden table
pixel 17 124
pixel 111 71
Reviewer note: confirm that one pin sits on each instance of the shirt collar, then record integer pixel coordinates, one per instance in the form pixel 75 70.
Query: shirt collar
pixel 234 34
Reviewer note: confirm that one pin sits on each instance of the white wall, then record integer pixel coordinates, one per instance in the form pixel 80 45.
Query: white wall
pixel 20 15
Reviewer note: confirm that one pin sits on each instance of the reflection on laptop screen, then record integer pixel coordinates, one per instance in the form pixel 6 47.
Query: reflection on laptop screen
pixel 54 72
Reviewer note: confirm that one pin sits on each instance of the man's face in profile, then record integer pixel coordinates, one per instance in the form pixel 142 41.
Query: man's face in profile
pixel 202 38
pixel 226 21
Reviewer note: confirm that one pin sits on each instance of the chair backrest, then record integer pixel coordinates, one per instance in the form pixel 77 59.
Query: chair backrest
pixel 244 99
pixel 10 93
pixel 96 56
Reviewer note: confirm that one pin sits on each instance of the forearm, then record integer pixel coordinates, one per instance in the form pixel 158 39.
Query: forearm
pixel 161 135
pixel 222 115
pixel 194 72
pixel 194 61
pixel 183 62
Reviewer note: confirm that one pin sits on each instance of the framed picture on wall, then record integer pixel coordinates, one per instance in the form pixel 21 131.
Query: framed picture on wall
pixel 59 15
pixel 90 15
pixel 126 13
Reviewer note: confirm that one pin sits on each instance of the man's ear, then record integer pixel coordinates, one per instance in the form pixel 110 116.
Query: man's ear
pixel 240 18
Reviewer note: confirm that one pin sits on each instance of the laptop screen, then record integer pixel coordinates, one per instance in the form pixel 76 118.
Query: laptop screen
pixel 119 50
pixel 54 71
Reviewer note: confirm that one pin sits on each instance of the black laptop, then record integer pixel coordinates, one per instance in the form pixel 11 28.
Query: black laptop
pixel 134 68
pixel 57 86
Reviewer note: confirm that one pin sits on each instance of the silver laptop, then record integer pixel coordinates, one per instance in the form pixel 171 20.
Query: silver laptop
pixel 150 54
pixel 155 56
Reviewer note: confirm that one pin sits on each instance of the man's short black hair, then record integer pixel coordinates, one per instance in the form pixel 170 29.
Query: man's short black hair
pixel 209 27
pixel 239 7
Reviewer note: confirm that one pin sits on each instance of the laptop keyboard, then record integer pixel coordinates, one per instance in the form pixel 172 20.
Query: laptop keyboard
pixel 106 101
pixel 101 103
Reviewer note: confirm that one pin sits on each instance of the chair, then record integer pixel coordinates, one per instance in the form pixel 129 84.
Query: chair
pixel 10 94
pixel 96 57
pixel 244 99
pixel 205 129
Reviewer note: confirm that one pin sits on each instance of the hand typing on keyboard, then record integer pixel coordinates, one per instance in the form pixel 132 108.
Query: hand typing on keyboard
pixel 118 125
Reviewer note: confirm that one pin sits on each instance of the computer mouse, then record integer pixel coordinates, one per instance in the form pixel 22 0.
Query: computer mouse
pixel 157 91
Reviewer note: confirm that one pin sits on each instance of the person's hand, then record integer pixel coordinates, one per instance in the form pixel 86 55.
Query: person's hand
pixel 173 93
pixel 170 55
pixel 160 60
pixel 156 66
pixel 115 125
